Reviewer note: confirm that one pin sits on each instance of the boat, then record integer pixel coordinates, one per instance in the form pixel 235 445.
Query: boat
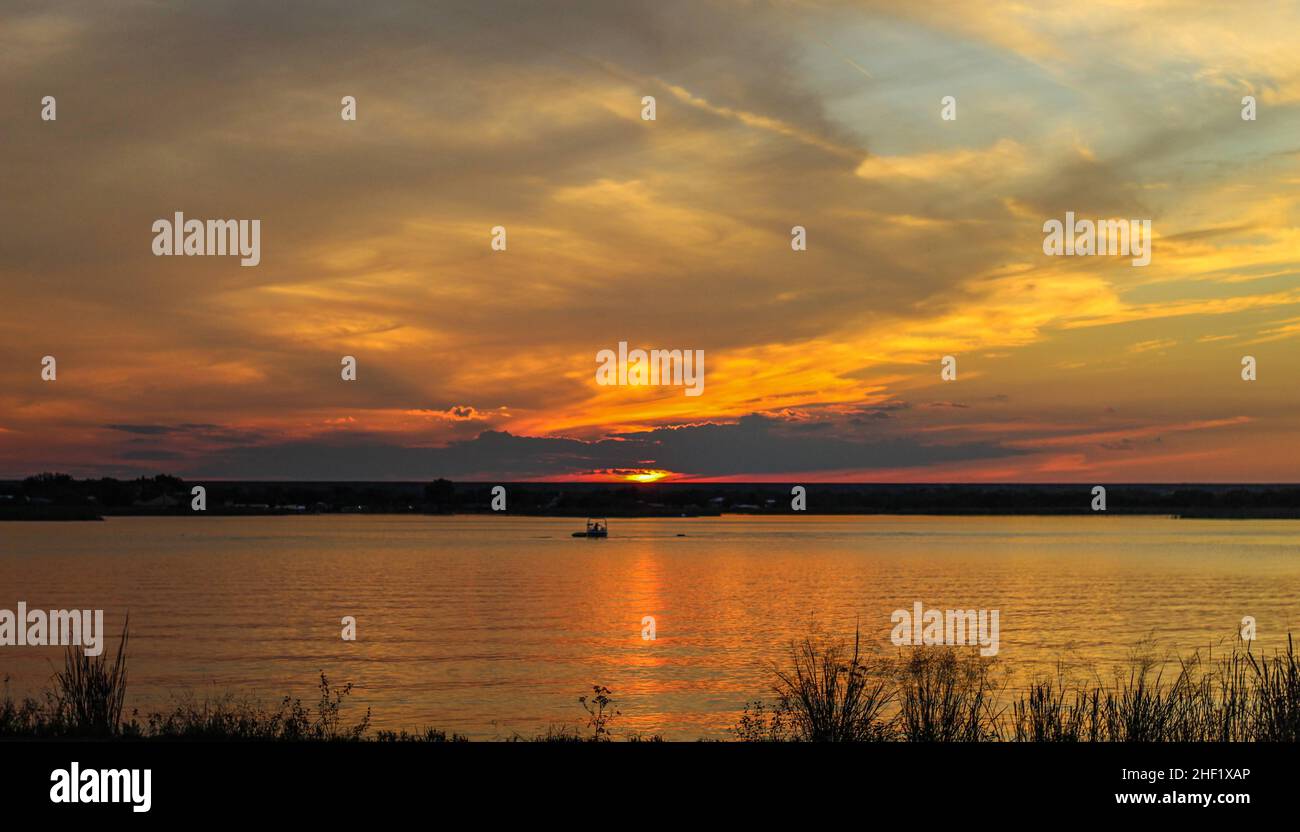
pixel 596 527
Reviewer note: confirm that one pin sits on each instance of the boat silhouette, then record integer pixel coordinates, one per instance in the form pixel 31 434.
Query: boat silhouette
pixel 596 527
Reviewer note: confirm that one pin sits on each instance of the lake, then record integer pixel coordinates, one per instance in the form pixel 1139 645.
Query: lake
pixel 493 625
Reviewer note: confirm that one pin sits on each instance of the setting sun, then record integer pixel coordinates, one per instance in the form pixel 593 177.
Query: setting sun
pixel 653 475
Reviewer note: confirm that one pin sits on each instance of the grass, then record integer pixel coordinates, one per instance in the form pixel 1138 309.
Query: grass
pixel 90 691
pixel 829 694
pixel 934 694
pixel 234 719
pixel 1241 697
pixel 826 691
pixel 85 700
pixel 947 695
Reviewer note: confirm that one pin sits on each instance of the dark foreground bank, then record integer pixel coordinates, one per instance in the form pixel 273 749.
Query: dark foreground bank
pixel 1166 750
pixel 727 785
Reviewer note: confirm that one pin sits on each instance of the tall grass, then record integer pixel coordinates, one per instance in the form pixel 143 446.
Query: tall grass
pixel 947 695
pixel 1241 697
pixel 834 695
pixel 944 694
pixel 87 697
pixel 90 691
pixel 1277 713
pixel 828 693
pixel 1043 714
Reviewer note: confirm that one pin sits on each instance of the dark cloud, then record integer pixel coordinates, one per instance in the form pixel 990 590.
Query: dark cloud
pixel 875 413
pixel 144 430
pixel 754 445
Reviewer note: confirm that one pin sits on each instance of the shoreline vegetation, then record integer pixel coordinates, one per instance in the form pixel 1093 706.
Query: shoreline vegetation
pixel 46 497
pixel 823 690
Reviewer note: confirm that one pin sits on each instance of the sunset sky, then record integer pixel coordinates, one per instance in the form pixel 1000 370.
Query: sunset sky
pixel 924 239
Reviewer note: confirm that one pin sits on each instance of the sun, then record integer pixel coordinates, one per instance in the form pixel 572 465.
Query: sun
pixel 646 475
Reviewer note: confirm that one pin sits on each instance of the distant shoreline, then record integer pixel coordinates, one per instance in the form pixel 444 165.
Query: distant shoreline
pixel 20 517
pixel 61 498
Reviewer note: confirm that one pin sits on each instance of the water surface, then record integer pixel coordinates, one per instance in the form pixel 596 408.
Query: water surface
pixel 494 625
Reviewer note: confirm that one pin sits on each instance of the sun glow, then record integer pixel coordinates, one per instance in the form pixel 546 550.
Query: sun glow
pixel 649 475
